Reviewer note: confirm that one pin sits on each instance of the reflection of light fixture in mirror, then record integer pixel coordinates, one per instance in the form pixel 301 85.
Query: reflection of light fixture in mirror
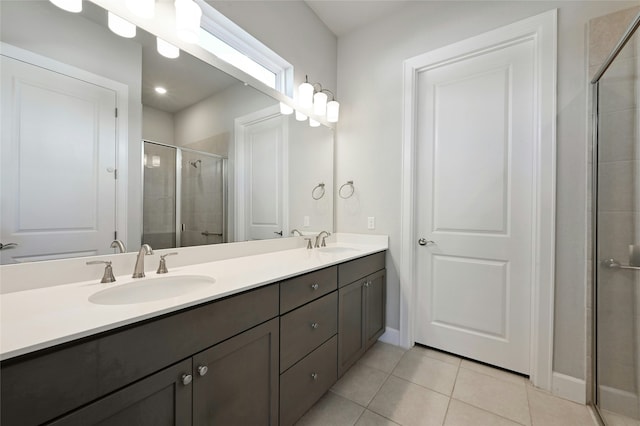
pixel 155 161
pixel 188 15
pixel 74 6
pixel 313 95
pixel 160 90
pixel 167 49
pixel 285 109
pixel 121 26
pixel 142 8
pixel 300 116
pixel 313 123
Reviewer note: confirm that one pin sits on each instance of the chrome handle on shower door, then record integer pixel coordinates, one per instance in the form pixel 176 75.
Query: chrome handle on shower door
pixel 614 264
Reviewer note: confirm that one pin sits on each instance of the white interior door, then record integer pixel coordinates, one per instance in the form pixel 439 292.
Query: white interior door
pixel 265 194
pixel 58 156
pixel 475 138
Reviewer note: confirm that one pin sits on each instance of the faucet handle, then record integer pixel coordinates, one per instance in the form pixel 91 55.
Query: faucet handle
pixel 162 268
pixel 324 243
pixel 108 271
pixel 309 245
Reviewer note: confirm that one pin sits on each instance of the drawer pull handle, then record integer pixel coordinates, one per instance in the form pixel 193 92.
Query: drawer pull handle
pixel 314 286
pixel 367 284
pixel 202 370
pixel 186 379
pixel 314 376
pixel 315 325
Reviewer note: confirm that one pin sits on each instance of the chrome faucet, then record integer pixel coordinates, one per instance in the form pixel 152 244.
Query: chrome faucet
pixel 119 245
pixel 324 244
pixel 138 271
pixel 293 232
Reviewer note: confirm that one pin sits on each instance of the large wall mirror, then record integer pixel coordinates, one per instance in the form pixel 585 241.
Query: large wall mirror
pixel 90 149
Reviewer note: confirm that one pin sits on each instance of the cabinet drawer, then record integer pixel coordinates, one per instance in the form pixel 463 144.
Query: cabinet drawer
pixel 306 328
pixel 307 381
pixel 354 270
pixel 300 290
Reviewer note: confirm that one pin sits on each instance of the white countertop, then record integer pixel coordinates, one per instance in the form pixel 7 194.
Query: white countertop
pixel 43 317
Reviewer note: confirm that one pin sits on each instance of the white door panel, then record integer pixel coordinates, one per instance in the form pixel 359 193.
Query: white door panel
pixel 64 129
pixel 475 172
pixel 264 167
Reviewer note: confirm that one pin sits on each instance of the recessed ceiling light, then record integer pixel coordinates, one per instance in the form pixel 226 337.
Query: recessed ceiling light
pixel 161 90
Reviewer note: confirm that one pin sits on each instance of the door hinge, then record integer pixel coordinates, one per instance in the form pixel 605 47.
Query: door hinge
pixel 116 112
pixel 115 235
pixel 115 174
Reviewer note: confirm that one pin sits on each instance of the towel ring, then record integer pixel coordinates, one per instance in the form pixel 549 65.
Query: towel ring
pixel 342 191
pixel 318 191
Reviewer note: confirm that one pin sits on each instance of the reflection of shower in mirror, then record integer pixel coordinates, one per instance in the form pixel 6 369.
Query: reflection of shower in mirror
pixel 195 163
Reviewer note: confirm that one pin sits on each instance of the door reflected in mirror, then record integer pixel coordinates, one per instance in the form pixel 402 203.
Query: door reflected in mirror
pixel 204 110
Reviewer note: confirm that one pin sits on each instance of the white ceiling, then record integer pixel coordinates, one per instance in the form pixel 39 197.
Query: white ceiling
pixel 342 17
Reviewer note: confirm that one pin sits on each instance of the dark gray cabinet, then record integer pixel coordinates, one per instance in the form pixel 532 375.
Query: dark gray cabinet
pixel 162 399
pixel 236 382
pixel 361 308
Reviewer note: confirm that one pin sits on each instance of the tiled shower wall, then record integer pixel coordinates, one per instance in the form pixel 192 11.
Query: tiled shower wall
pixel 618 296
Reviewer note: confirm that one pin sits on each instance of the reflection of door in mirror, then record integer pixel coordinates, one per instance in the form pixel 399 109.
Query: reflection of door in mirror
pixel 185 194
pixel 262 164
pixel 56 202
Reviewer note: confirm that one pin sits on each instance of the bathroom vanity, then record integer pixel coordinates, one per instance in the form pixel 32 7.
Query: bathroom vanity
pixel 259 356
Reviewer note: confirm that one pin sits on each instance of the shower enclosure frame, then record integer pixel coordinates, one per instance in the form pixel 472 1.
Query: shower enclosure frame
pixel 595 85
pixel 178 195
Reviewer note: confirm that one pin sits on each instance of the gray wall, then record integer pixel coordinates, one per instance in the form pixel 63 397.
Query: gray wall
pixel 369 136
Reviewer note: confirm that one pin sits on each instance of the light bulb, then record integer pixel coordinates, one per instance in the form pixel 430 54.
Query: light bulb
pixel 333 111
pixel 300 116
pixel 313 123
pixel 167 49
pixel 142 8
pixel 74 6
pixel 320 103
pixel 160 90
pixel 285 109
pixel 121 26
pixel 188 15
pixel 305 95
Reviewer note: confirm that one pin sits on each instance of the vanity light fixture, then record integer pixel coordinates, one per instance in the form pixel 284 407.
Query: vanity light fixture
pixel 313 123
pixel 313 95
pixel 142 8
pixel 300 116
pixel 74 6
pixel 285 109
pixel 160 90
pixel 188 15
pixel 120 26
pixel 167 49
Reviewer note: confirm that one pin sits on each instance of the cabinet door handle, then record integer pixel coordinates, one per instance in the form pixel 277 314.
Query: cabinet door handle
pixel 314 376
pixel 315 325
pixel 367 283
pixel 186 379
pixel 314 286
pixel 202 370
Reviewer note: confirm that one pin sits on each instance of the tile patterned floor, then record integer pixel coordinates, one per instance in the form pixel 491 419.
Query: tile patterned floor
pixel 391 386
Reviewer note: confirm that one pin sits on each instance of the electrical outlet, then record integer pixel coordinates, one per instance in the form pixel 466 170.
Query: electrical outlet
pixel 306 221
pixel 371 222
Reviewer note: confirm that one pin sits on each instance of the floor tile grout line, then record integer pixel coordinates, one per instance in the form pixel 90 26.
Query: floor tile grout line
pixel 529 404
pixel 488 411
pixel 453 388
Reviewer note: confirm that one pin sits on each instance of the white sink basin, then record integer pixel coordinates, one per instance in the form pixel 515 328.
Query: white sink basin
pixel 337 250
pixel 151 289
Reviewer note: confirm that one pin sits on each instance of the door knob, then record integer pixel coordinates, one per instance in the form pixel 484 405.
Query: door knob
pixel 278 233
pixel 186 379
pixel 424 242
pixel 202 370
pixel 7 245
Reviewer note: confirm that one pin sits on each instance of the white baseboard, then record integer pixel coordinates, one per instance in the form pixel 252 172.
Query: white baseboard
pixel 569 387
pixel 619 401
pixel 391 336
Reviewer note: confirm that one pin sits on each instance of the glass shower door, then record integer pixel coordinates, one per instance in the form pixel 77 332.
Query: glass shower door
pixel 159 196
pixel 202 199
pixel 617 243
